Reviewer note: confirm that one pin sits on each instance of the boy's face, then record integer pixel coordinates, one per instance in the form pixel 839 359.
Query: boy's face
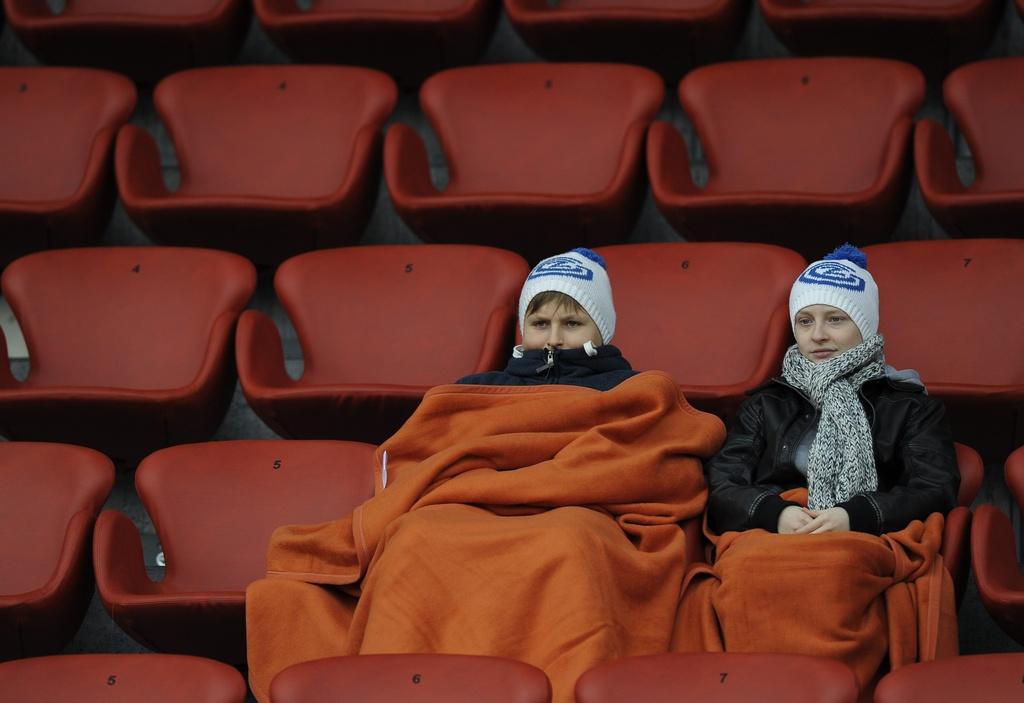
pixel 555 326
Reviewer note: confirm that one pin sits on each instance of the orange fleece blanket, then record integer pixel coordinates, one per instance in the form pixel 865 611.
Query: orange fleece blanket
pixel 848 596
pixel 538 523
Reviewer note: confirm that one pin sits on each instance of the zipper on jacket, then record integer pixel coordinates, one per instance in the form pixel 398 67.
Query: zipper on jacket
pixel 549 364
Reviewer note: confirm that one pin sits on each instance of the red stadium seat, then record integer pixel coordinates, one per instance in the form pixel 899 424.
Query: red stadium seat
pixel 56 186
pixel 941 301
pixel 986 103
pixel 121 678
pixel 416 678
pixel 993 678
pixel 719 677
pixel 410 39
pixel 49 499
pixel 378 327
pixel 145 39
pixel 994 554
pixel 275 160
pixel 541 157
pixel 669 36
pixel 214 506
pixel 679 306
pixel 129 346
pixel 806 153
pixel 935 34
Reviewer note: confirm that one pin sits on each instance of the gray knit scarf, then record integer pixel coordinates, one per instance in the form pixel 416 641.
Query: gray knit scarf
pixel 841 461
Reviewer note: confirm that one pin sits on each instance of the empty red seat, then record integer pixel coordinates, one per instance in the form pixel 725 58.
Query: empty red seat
pixel 994 552
pixel 56 185
pixel 985 101
pixel 807 153
pixel 421 678
pixel 378 326
pixel 935 34
pixel 129 347
pixel 941 301
pixel 50 496
pixel 993 678
pixel 214 506
pixel 541 157
pixel 679 305
pixel 275 160
pixel 145 39
pixel 669 36
pixel 121 678
pixel 719 677
pixel 410 39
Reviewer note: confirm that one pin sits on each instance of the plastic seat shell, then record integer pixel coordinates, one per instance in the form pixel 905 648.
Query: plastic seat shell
pixel 57 187
pixel 275 160
pixel 806 153
pixel 49 502
pixel 214 506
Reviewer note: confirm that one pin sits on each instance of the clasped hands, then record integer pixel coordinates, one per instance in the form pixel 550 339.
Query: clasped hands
pixel 795 520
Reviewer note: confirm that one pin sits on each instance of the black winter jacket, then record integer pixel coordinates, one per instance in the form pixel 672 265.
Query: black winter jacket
pixel 568 366
pixel 914 457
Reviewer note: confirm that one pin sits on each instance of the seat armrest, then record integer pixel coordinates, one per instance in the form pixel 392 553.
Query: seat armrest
pixel 406 167
pixel 935 160
pixel 117 559
pixel 259 354
pixel 956 541
pixel 137 164
pixel 994 556
pixel 668 162
pixel 7 379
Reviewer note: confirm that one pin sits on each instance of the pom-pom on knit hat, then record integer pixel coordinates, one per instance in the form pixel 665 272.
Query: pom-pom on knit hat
pixel 841 280
pixel 580 274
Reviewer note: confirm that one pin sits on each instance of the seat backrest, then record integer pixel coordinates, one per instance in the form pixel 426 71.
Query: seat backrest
pixel 276 131
pixel 121 678
pixel 708 313
pixel 986 102
pixel 943 311
pixel 43 486
pixel 545 128
pixel 418 678
pixel 410 6
pixel 722 677
pixel 155 8
pixel 123 317
pixel 45 154
pixel 417 315
pixel 807 125
pixel 214 505
pixel 982 677
pixel 682 7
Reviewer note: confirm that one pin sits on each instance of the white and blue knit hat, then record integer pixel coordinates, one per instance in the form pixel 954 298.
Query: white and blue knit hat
pixel 842 281
pixel 580 274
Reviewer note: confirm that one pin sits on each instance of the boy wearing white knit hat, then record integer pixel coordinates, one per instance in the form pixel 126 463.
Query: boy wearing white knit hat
pixel 567 319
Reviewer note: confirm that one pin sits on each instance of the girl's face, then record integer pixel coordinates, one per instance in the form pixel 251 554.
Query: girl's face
pixel 555 326
pixel 823 331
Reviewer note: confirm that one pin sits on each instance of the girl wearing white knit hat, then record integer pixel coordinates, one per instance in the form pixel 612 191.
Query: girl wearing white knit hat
pixel 872 448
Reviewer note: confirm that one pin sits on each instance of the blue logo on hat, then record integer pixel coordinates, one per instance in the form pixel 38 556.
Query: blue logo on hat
pixel 561 266
pixel 835 274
